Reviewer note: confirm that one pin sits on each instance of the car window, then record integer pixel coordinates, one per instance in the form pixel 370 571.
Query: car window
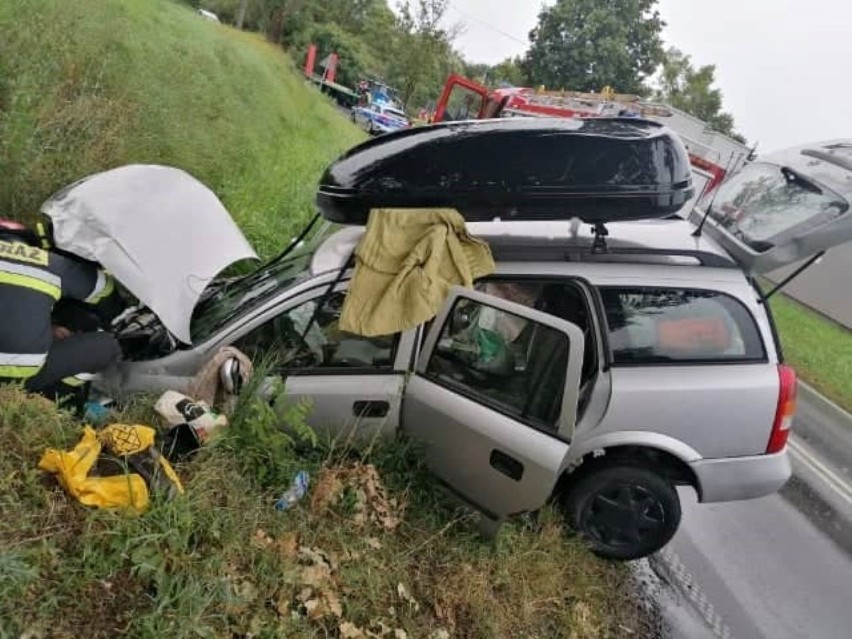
pixel 307 338
pixel 505 361
pixel 764 205
pixel 665 325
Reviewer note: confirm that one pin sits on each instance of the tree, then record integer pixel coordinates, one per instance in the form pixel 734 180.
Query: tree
pixel 585 45
pixel 683 86
pixel 241 13
pixel 275 16
pixel 423 53
pixel 509 71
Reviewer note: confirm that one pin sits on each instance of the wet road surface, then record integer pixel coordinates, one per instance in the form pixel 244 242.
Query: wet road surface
pixel 761 569
pixel 777 567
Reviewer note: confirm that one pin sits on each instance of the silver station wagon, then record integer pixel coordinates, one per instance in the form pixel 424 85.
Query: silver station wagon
pixel 639 351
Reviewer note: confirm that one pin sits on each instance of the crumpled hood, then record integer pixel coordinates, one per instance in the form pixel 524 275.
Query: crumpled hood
pixel 156 229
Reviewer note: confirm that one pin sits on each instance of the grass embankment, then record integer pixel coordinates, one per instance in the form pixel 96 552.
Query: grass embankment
pixel 87 86
pixel 819 349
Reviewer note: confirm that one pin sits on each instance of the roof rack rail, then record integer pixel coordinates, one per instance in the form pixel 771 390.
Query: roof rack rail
pixel 704 258
pixel 557 252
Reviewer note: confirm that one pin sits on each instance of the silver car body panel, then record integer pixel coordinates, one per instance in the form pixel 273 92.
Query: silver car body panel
pixel 716 417
pixel 460 438
pixel 737 478
pixel 697 413
pixel 158 230
pixel 335 400
pixel 467 443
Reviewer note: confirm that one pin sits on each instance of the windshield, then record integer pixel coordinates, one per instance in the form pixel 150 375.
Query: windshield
pixel 226 300
pixel 765 205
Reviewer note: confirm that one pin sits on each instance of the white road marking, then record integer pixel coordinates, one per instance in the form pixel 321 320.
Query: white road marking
pixel 837 483
pixel 681 579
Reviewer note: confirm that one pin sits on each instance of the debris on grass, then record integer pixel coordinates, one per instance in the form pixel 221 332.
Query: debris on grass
pixel 377 551
pixel 359 488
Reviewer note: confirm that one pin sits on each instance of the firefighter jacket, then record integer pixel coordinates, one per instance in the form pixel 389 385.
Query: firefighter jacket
pixel 32 280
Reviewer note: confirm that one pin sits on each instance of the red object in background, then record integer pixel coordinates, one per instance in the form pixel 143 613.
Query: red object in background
pixel 530 103
pixel 310 60
pixel 331 69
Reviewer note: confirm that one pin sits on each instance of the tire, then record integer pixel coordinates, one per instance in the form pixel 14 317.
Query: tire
pixel 623 512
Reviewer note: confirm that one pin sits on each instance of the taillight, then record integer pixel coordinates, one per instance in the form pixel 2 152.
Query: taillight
pixel 786 410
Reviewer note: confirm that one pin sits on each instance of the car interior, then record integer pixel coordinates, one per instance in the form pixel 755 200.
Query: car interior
pixel 526 377
pixel 308 337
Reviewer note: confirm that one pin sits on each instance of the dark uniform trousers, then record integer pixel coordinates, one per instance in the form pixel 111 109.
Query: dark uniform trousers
pixel 32 281
pixel 67 358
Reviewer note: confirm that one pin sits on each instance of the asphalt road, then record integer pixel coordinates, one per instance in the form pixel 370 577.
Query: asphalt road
pixel 777 567
pixel 825 286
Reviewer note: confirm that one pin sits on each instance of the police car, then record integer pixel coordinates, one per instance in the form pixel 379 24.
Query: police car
pixel 378 117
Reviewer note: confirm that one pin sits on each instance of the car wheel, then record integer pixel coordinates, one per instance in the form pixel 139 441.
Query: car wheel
pixel 624 512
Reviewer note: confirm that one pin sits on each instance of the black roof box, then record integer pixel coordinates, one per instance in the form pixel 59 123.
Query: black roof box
pixel 598 169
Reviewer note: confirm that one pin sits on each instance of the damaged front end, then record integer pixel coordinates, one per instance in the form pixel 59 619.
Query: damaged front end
pixel 160 232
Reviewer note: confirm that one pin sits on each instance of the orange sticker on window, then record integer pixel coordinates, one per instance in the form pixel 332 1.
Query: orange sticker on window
pixel 706 334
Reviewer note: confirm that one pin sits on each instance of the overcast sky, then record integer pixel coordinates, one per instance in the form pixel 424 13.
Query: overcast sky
pixel 784 66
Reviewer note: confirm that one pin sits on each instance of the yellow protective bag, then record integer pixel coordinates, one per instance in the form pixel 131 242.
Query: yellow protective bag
pixel 128 490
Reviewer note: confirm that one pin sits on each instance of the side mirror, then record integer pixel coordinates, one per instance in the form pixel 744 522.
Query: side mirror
pixel 230 375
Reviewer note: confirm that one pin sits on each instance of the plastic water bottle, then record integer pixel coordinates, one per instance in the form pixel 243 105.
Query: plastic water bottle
pixel 297 490
pixel 96 413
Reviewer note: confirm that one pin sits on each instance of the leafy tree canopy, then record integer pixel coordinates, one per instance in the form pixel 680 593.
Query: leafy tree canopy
pixel 585 45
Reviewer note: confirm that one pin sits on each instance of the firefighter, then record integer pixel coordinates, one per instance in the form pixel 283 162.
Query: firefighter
pixel 48 359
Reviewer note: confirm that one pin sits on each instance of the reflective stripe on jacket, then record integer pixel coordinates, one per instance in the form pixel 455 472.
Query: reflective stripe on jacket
pixel 31 281
pixel 18 366
pixel 30 277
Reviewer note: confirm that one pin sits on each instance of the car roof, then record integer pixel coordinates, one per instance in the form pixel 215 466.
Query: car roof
pixel 669 242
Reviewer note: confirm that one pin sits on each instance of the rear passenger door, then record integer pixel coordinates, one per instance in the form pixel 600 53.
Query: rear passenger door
pixel 494 400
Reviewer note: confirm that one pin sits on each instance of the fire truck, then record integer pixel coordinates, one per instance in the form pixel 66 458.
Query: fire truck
pixel 712 154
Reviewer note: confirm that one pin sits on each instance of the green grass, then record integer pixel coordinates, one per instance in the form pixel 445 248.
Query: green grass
pixel 86 86
pixel 819 349
pixel 220 561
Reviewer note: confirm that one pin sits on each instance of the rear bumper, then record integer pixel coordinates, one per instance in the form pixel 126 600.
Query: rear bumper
pixel 737 478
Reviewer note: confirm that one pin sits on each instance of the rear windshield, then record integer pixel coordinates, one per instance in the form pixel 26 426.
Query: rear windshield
pixel 764 205
pixel 670 325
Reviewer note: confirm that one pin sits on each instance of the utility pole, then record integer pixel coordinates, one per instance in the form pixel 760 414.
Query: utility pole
pixel 241 14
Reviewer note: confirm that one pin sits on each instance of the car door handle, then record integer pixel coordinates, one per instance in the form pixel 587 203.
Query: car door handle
pixel 507 465
pixel 371 408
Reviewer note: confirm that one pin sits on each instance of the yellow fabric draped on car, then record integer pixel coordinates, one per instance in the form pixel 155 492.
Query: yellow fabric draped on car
pixel 406 263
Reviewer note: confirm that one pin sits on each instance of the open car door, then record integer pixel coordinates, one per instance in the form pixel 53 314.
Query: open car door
pixel 784 208
pixel 494 400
